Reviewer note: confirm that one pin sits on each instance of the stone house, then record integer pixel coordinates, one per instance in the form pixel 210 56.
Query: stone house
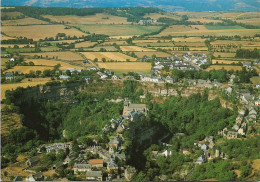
pixel 134 107
pixel 96 163
pixel 166 153
pixel 57 165
pixel 186 152
pixel 112 166
pixel 32 161
pixel 35 177
pixel 9 76
pixel 18 178
pixel 94 176
pixel 81 167
pixel 64 77
pixel 231 135
pixel 116 77
pixel 129 173
pixel 200 160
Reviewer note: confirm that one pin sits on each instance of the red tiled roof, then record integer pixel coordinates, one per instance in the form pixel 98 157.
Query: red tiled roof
pixel 95 161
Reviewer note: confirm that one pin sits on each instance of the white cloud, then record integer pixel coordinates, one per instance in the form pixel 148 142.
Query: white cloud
pixel 30 2
pixel 47 2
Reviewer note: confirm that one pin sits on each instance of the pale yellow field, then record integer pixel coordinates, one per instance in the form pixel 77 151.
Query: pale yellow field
pixel 107 48
pixel 250 21
pixel 24 21
pixel 164 48
pixel 219 67
pixel 117 29
pixel 37 32
pixel 199 27
pixel 204 20
pixel 192 44
pixel 20 45
pixel 85 44
pixel 126 66
pixel 116 42
pixel 249 15
pixel 188 39
pixel 65 41
pixel 92 19
pixel 116 56
pixel 47 62
pixel 237 43
pixel 6 7
pixel 224 54
pixel 198 48
pixel 199 14
pixel 120 37
pixel 3 37
pixel 11 14
pixel 68 56
pixel 177 28
pixel 8 121
pixel 229 15
pixel 150 54
pixel 27 69
pixel 199 30
pixel 134 48
pixel 150 41
pixel 251 47
pixel 255 79
pixel 158 15
pixel 25 83
pixel 4 60
pixel 214 61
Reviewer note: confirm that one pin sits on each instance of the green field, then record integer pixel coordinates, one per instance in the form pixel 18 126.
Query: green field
pixel 255 80
pixel 14 50
pixel 50 48
pixel 118 30
pixel 213 27
pixel 121 73
pixel 156 44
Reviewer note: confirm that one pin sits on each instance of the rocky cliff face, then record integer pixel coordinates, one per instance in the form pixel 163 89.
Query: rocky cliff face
pixel 53 93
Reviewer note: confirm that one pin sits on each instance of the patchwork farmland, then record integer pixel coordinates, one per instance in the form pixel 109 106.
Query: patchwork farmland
pixel 37 32
pixel 108 56
pixel 68 56
pixel 134 48
pixel 52 63
pixel 118 30
pixel 127 67
pixel 226 67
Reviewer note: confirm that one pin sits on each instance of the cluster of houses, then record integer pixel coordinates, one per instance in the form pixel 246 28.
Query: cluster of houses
pixel 246 115
pixel 170 62
pixel 174 62
pixel 131 113
pixel 248 66
pixel 149 21
pixel 108 74
pixel 55 146
pixel 207 146
pixel 93 168
pixel 195 58
pixel 106 159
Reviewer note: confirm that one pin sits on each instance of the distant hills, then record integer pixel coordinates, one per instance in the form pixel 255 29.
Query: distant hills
pixel 168 5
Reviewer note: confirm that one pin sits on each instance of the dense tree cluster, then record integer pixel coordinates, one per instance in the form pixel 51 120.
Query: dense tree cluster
pixel 19 40
pixel 194 116
pixel 219 75
pixel 221 170
pixel 249 54
pixel 133 14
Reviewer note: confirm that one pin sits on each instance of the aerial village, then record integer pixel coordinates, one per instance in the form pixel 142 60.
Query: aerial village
pixel 99 161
